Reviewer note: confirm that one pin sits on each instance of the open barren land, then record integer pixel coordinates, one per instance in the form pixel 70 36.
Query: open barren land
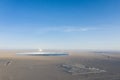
pixel 79 65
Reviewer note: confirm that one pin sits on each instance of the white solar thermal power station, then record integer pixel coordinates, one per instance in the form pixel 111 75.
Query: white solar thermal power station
pixel 43 53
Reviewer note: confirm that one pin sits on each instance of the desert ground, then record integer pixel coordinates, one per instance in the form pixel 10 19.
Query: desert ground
pixel 15 67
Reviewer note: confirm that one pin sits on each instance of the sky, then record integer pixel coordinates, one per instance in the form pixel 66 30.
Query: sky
pixel 60 24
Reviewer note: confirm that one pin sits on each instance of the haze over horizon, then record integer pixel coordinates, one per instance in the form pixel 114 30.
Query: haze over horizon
pixel 60 24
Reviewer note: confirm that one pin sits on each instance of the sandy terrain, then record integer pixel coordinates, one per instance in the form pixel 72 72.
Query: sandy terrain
pixel 14 67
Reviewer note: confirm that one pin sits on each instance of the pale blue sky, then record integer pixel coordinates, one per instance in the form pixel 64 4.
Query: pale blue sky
pixel 60 24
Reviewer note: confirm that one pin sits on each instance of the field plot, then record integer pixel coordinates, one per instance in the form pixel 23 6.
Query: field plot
pixel 75 69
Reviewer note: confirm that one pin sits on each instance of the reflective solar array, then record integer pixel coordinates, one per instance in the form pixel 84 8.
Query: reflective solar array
pixel 44 54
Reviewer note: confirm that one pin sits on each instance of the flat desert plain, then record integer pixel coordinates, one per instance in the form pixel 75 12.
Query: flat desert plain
pixel 16 67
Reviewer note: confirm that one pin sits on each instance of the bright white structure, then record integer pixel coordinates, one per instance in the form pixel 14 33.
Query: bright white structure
pixel 40 50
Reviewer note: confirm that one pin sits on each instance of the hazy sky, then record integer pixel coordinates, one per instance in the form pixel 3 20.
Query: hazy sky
pixel 60 24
